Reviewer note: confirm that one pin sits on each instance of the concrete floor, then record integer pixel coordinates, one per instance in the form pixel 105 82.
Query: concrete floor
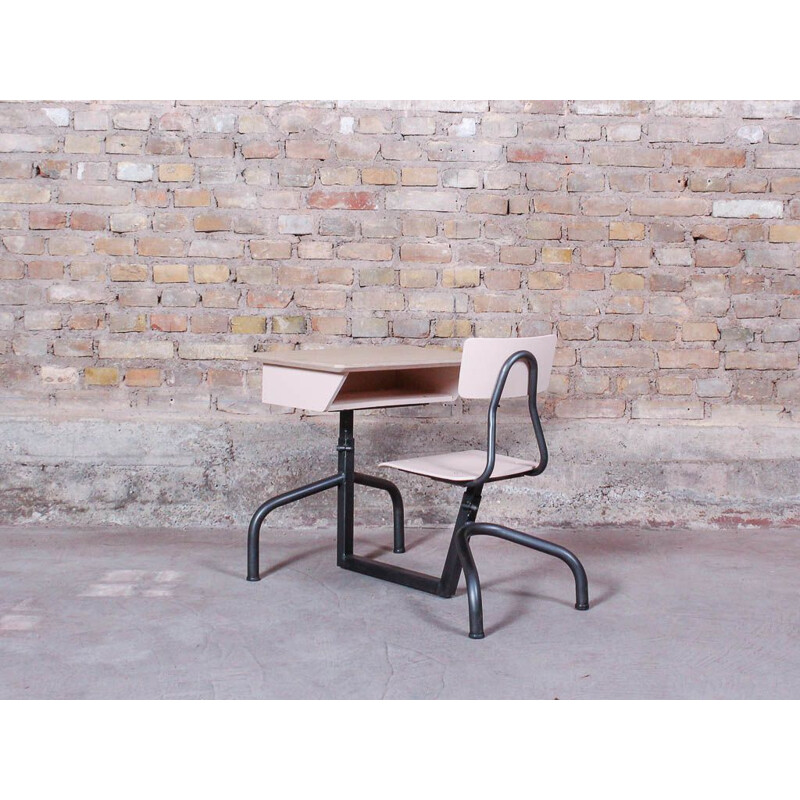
pixel 133 613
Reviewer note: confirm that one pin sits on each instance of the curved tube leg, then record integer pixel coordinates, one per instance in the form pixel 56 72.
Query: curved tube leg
pixel 257 521
pixel 473 583
pixel 397 505
pixel 542 545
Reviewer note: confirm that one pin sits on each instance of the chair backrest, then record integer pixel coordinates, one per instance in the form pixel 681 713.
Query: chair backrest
pixel 482 360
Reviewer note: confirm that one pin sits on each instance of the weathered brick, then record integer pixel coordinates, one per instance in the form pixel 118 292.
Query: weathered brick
pixel 370 327
pixel 590 409
pixel 248 325
pixel 307 149
pixel 128 272
pixel 168 323
pixel 144 378
pixel 338 176
pixel 543 229
pixel 666 409
pixel 783 158
pixel 101 376
pixel 418 278
pixel 784 233
pixel 212 351
pixel 175 173
pixel 688 359
pixel 120 349
pixel 622 156
pixel 492 179
pixel 545 280
pixel 487 204
pixel 751 360
pixel 699 331
pixel 86 145
pixel 23 193
pixel 47 220
pixel 461 229
pixel 420 200
pixel 626 231
pixel 379 176
pixel 717 256
pixel 627 281
pixel 419 176
pixel 267 150
pixel 357 150
pixel 211 148
pixel 460 277
pixel 708 183
pixel 417 126
pixel 354 201
pixel 557 255
pixel 556 205
pixel 211 273
pixel 364 251
pixel 708 157
pixel 534 153
pixel 464 151
pixel 517 255
pixel 170 273
pixel 205 223
pixel 673 207
pixel 27 143
pixel 22 169
pixel 617 357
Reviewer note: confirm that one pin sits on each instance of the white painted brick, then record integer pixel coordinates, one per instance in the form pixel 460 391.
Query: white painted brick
pixel 131 171
pixel 751 133
pixel 296 223
pixel 461 178
pixel 748 209
pixel 467 127
pixel 58 116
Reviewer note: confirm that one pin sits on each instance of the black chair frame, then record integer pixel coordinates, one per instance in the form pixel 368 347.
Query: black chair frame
pixel 469 529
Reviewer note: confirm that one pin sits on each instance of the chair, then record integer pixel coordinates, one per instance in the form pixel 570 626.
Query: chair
pixel 495 369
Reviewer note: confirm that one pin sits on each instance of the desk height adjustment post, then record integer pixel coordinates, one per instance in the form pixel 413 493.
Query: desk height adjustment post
pixel 346 493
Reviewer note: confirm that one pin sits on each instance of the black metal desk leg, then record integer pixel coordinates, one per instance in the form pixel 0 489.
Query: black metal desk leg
pixel 397 506
pixel 344 516
pixel 254 532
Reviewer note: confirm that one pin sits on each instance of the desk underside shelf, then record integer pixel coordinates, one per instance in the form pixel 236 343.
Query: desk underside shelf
pixel 372 378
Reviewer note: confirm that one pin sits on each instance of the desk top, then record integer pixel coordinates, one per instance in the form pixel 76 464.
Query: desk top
pixel 363 358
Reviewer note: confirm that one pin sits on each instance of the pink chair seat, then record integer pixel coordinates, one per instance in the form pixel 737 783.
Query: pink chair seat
pixel 461 467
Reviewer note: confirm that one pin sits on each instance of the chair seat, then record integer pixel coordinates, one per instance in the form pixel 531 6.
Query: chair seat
pixel 461 467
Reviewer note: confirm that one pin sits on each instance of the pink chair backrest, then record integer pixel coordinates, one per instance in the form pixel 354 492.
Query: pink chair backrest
pixel 482 360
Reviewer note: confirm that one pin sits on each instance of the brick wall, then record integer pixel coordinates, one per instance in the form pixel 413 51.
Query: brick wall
pixel 149 248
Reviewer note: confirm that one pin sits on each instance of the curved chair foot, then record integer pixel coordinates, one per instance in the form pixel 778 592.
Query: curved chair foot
pixel 470 529
pixel 254 531
pixel 397 506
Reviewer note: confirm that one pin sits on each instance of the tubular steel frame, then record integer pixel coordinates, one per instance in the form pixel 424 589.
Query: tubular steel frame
pixel 459 555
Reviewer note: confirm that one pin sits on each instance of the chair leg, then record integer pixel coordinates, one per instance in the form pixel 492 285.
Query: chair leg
pixel 471 529
pixel 397 505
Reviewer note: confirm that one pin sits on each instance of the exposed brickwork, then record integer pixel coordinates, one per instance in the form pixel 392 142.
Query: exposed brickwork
pixel 147 249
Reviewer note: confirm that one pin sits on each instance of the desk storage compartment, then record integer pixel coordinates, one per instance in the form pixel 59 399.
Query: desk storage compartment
pixel 399 387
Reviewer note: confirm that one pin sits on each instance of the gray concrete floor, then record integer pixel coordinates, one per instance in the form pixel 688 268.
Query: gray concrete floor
pixel 134 613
